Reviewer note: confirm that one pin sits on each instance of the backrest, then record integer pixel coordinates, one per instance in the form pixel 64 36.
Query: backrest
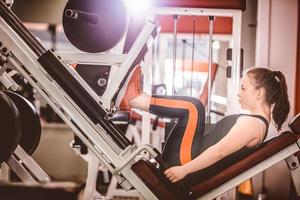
pixel 295 124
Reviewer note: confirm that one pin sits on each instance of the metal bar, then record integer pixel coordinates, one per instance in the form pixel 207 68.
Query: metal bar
pixel 183 61
pixel 191 11
pixel 90 191
pixel 193 54
pixel 31 166
pixel 175 17
pixel 234 81
pixel 147 148
pixel 89 58
pixel 20 170
pixel 136 49
pixel 8 82
pixel 210 57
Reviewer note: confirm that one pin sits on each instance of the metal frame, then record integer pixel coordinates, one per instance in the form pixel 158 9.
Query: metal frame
pixel 115 84
pixel 89 58
pixel 125 61
pixel 25 61
pixel 26 168
pixel 94 166
pixel 210 56
pixel 6 79
pixel 294 167
pixel 233 82
pixel 90 191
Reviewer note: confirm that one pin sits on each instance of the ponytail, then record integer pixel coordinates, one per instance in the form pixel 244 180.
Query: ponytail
pixel 275 87
pixel 281 105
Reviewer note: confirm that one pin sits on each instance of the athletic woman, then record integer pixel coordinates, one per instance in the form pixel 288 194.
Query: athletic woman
pixel 189 147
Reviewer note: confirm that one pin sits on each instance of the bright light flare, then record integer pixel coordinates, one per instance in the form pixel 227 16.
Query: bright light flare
pixel 137 6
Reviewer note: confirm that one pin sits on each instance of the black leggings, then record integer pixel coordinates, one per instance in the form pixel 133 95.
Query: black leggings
pixel 183 143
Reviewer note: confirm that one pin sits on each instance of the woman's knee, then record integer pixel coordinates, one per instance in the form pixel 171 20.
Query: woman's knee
pixel 197 103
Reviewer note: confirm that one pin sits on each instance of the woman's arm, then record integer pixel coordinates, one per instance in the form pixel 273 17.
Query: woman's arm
pixel 243 132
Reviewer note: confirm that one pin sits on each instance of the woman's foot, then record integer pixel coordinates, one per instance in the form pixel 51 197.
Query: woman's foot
pixel 131 89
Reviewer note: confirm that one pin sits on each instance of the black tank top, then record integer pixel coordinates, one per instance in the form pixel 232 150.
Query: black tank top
pixel 213 133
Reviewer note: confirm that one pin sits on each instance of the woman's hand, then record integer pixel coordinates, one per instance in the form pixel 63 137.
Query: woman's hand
pixel 175 174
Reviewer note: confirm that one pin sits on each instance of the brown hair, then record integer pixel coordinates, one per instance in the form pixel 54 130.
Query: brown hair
pixel 276 92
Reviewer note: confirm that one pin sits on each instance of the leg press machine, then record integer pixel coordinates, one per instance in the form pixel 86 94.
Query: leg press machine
pixel 88 116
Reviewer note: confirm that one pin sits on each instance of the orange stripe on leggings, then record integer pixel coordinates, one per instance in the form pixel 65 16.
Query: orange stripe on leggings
pixel 188 136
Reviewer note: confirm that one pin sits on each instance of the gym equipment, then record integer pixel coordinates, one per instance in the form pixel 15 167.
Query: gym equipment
pixel 31 125
pixel 21 125
pixel 216 183
pixel 210 56
pixel 10 127
pixel 26 168
pixel 214 4
pixel 94 26
pixel 96 76
pixel 183 61
pixel 89 117
pixel 193 54
pixel 175 18
pixel 75 102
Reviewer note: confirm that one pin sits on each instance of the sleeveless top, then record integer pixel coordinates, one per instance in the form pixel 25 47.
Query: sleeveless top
pixel 213 133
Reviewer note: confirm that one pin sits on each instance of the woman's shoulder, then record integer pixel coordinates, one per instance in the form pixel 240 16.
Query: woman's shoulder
pixel 249 123
pixel 246 119
pixel 252 117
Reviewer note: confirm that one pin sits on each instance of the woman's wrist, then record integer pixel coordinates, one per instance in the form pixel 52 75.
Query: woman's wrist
pixel 186 168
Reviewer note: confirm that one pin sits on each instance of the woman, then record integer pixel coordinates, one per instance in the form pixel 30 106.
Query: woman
pixel 262 92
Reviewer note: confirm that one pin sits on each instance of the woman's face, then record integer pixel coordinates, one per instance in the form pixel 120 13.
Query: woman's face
pixel 247 93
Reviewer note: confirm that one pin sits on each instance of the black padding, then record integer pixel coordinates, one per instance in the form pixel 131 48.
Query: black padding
pixel 10 127
pixel 95 75
pixel 31 124
pixel 121 116
pixel 81 97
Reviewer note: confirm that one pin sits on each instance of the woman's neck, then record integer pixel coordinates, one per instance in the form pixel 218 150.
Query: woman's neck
pixel 263 110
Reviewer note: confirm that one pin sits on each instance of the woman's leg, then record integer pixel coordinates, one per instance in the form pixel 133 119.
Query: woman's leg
pixel 184 142
pixel 141 102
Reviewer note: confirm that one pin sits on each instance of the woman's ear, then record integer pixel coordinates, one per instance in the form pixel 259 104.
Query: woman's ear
pixel 260 94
